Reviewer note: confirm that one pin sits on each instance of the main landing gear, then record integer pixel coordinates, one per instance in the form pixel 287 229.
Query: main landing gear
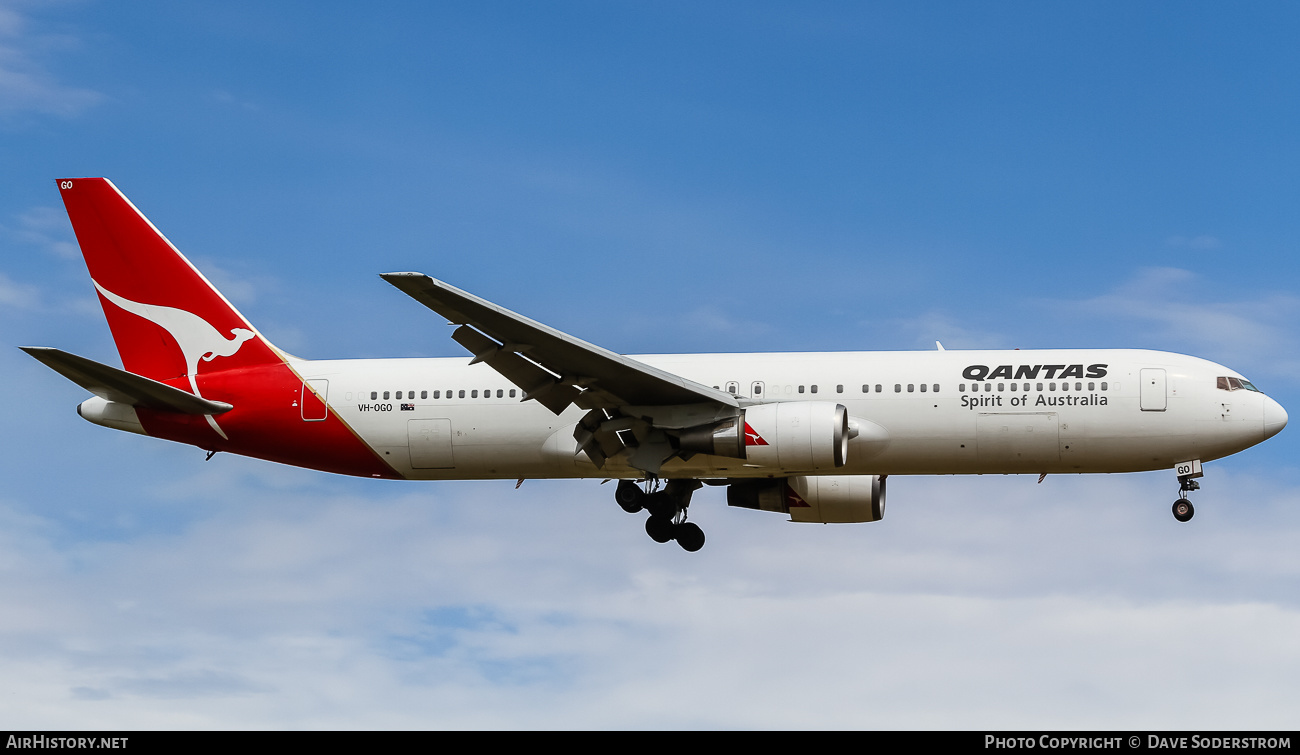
pixel 1187 473
pixel 667 507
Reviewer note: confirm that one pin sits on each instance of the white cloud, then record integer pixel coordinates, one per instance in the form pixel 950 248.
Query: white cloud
pixel 1203 242
pixel 240 289
pixel 18 295
pixel 1177 308
pixel 49 229
pixel 226 98
pixel 291 601
pixel 25 83
pixel 926 328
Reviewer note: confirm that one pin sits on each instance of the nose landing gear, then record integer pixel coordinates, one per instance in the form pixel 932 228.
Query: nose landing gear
pixel 667 507
pixel 1187 472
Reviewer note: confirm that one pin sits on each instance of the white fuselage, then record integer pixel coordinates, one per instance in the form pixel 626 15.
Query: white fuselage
pixel 924 412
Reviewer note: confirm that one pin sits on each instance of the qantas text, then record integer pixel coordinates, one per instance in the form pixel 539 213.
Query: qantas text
pixel 1031 371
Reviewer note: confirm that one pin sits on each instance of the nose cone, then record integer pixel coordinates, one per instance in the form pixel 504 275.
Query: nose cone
pixel 1274 417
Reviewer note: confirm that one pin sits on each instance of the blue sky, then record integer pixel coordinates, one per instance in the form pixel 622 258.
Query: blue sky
pixel 654 177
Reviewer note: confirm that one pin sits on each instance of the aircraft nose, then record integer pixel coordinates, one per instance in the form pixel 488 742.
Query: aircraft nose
pixel 1274 417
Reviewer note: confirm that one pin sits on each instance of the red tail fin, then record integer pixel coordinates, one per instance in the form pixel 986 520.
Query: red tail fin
pixel 166 318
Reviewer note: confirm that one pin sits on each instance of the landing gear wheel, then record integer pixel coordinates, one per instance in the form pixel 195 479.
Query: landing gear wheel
pixel 629 496
pixel 690 536
pixel 1183 510
pixel 661 504
pixel 659 528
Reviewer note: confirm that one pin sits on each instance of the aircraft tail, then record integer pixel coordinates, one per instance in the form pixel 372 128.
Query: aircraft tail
pixel 167 320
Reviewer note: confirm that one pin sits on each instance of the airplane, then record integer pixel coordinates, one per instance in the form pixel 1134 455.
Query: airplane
pixel 810 435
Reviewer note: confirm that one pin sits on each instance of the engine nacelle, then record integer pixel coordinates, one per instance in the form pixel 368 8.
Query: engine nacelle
pixel 829 499
pixel 797 435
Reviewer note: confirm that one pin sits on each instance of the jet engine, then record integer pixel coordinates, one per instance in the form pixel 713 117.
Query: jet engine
pixel 782 435
pixel 829 499
pixel 797 435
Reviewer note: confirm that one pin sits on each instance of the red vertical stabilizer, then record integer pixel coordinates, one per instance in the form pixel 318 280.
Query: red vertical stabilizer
pixel 168 321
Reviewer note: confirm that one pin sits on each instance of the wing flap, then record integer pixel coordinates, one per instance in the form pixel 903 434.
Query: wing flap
pixel 597 376
pixel 535 382
pixel 112 384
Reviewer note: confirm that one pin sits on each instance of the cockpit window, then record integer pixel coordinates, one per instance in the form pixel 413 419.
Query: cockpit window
pixel 1236 384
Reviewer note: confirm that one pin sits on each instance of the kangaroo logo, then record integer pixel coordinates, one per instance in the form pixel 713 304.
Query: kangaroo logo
pixel 196 337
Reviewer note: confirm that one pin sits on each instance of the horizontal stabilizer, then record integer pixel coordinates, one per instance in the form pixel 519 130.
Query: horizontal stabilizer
pixel 124 387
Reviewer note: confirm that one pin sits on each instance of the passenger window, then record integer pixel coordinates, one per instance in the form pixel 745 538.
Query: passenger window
pixel 437 394
pixel 922 387
pixel 1040 387
pixel 879 387
pixel 961 387
pixel 866 388
pixel 1103 386
pixel 839 389
pixel 814 389
pixel 756 389
pixel 1051 386
pixel 462 393
pixel 936 388
pixel 1078 386
pixel 385 395
pixel 424 394
pixel 898 387
pixel 1002 387
pixel 512 393
pixel 1013 387
pixel 1027 386
pixel 988 387
pixel 801 389
pixel 911 388
pixel 374 395
pixel 500 393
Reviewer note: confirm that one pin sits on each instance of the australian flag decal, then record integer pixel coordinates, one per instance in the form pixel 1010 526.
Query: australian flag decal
pixel 408 407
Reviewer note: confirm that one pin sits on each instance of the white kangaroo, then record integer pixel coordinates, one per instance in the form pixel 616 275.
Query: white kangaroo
pixel 195 336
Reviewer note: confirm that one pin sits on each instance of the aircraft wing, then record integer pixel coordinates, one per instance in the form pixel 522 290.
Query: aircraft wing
pixel 575 371
pixel 112 384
